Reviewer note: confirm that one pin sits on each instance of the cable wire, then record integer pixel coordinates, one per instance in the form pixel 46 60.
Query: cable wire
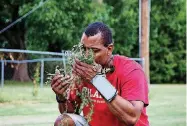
pixel 24 16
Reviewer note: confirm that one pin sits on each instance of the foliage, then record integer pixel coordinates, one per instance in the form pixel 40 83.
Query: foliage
pixel 75 89
pixel 59 24
pixel 167 36
pixel 86 101
pixel 100 12
pixel 56 25
pixel 78 52
pixel 15 36
pixel 167 42
pixel 125 26
pixel 36 79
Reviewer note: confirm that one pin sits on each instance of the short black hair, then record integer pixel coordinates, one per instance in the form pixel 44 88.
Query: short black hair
pixel 97 27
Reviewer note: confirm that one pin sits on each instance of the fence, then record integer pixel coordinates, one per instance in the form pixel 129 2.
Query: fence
pixel 46 64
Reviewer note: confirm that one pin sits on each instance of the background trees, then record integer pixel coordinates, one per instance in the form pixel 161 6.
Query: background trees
pixel 167 41
pixel 58 24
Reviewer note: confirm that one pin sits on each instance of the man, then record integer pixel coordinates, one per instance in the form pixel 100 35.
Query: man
pixel 120 98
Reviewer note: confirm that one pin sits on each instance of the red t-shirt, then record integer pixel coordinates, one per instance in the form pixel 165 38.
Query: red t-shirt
pixel 129 79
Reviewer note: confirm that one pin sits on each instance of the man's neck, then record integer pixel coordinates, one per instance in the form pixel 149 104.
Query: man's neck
pixel 109 62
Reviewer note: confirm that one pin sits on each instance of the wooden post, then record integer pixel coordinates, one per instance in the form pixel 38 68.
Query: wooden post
pixel 144 42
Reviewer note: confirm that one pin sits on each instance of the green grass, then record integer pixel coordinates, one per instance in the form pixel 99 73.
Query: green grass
pixel 18 106
pixel 23 92
pixel 167 105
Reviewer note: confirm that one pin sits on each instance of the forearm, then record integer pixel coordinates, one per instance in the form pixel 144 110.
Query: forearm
pixel 124 110
pixel 120 107
pixel 62 107
pixel 65 107
pixel 70 106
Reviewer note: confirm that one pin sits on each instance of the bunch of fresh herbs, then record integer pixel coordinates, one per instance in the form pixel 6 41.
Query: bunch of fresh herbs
pixel 86 56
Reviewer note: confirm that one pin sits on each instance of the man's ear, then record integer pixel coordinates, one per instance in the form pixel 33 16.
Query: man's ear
pixel 110 49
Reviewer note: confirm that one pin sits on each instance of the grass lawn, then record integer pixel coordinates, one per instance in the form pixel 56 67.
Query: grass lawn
pixel 167 105
pixel 18 106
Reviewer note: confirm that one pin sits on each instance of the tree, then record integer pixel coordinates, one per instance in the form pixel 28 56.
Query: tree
pixel 167 36
pixel 167 42
pixel 125 25
pixel 14 38
pixel 56 25
pixel 59 24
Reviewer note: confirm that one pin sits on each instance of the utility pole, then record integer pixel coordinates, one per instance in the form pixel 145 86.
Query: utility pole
pixel 144 36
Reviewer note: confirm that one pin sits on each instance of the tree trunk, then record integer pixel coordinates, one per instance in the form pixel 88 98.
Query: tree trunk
pixel 21 73
pixel 16 40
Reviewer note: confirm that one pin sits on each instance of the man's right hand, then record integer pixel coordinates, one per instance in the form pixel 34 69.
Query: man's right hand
pixel 60 84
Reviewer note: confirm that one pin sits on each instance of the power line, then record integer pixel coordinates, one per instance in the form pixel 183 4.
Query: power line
pixel 24 16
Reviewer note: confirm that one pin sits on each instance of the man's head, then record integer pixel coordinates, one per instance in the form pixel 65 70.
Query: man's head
pixel 98 37
pixel 99 27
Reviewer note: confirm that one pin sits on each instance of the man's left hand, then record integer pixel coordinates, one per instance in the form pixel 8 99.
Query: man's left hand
pixel 85 71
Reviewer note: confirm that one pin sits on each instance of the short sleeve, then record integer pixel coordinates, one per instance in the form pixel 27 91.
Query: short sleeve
pixel 134 87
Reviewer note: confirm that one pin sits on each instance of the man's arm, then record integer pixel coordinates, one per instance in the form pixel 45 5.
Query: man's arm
pixel 129 105
pixel 59 85
pixel 62 107
pixel 126 111
pixel 65 107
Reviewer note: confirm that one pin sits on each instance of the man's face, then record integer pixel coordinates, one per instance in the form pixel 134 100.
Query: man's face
pixel 101 53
